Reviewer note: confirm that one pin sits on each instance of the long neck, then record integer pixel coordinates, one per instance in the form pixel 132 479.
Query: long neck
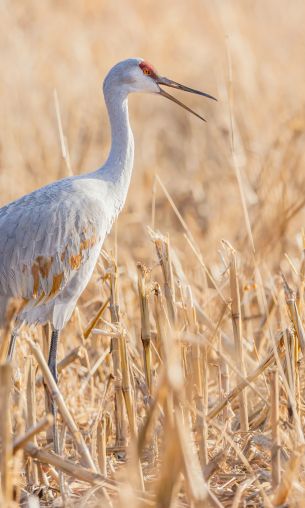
pixel 118 166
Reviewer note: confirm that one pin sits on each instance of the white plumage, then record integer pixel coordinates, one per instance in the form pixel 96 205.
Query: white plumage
pixel 50 241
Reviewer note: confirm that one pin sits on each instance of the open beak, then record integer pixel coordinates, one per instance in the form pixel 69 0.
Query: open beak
pixel 172 84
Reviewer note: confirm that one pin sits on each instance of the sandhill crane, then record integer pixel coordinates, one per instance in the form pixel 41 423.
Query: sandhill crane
pixel 51 238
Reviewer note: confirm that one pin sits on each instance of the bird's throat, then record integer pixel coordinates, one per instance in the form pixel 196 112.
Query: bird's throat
pixel 119 164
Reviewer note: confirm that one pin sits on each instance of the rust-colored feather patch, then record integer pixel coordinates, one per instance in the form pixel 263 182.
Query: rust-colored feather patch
pixel 57 280
pixel 88 243
pixel 44 264
pixel 41 267
pixel 41 297
pixel 76 260
pixel 63 254
pixel 35 273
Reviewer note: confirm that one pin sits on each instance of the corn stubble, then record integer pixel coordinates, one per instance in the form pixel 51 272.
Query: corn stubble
pixel 175 418
pixel 182 369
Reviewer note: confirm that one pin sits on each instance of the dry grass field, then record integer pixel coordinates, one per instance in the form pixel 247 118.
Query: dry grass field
pixel 183 364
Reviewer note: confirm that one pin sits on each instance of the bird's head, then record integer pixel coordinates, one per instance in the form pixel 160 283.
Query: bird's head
pixel 137 75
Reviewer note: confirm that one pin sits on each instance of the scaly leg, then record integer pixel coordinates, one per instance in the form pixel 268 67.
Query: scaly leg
pixel 52 363
pixel 12 344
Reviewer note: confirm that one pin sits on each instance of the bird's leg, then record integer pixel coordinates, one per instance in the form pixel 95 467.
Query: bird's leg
pixel 11 347
pixel 52 363
pixel 12 343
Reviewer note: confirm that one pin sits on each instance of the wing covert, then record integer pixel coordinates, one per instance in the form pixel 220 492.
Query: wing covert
pixel 45 238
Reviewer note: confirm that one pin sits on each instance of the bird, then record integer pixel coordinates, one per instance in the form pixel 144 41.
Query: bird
pixel 50 239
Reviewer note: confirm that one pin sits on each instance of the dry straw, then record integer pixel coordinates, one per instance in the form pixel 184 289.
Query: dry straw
pixel 181 373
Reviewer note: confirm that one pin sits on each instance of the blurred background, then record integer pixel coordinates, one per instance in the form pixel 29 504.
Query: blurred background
pixel 248 53
pixel 240 175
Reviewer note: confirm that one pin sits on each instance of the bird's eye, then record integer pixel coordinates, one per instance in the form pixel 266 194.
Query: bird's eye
pixel 146 71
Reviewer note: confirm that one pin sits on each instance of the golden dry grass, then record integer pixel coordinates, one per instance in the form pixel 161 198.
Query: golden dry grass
pixel 211 310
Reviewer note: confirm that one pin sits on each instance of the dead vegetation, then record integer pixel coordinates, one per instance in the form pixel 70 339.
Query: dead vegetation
pixel 182 369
